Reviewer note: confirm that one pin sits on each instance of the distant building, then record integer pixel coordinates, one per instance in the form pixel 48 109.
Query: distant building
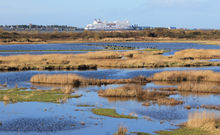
pixel 172 28
pixel 104 25
pixel 136 27
pixel 41 28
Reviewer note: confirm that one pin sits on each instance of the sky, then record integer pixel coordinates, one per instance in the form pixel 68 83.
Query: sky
pixel 156 13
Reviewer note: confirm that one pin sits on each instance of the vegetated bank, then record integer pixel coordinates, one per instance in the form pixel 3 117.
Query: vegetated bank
pixel 190 81
pixel 23 95
pixel 76 80
pixel 147 35
pixel 147 96
pixel 103 59
pixel 199 123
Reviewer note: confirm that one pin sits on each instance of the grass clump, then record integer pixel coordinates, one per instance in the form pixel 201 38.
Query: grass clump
pixel 21 95
pixel 203 120
pixel 179 76
pixel 121 131
pixel 85 105
pixel 199 123
pixel 198 54
pixel 184 131
pixel 99 59
pixel 136 91
pixel 199 87
pixel 139 133
pixel 168 101
pixel 124 91
pixel 76 80
pixel 111 113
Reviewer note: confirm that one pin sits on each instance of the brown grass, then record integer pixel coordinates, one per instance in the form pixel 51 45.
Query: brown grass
pixel 94 60
pixel 136 91
pixel 191 87
pixel 121 131
pixel 168 101
pixel 179 76
pixel 68 89
pixel 203 120
pixel 124 91
pixel 157 34
pixel 76 80
pixel 198 87
pixel 214 107
pixel 6 98
pixel 198 54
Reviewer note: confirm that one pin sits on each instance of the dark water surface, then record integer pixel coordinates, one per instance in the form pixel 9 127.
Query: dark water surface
pixel 173 47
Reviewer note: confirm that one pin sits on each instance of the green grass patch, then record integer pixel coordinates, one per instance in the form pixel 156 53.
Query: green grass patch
pixel 21 95
pixel 154 49
pixel 85 105
pixel 107 48
pixel 139 133
pixel 111 113
pixel 49 50
pixel 184 131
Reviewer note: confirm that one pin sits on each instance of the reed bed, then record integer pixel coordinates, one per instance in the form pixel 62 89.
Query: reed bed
pixel 179 76
pixel 168 101
pixel 198 87
pixel 121 130
pixel 136 91
pixel 124 91
pixel 190 87
pixel 76 80
pixel 94 60
pixel 203 120
pixel 198 54
pixel 157 34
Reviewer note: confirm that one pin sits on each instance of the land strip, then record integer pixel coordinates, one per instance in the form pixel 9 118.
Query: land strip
pixel 148 35
pixel 104 59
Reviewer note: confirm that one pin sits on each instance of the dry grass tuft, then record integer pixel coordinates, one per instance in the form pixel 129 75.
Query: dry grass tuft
pixel 191 87
pixel 136 91
pixel 71 79
pixel 179 76
pixel 124 91
pixel 76 80
pixel 168 101
pixel 6 98
pixel 203 87
pixel 94 60
pixel 121 130
pixel 68 89
pixel 203 120
pixel 198 54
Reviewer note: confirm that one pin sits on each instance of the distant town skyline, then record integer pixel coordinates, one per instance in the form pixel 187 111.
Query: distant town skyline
pixel 155 13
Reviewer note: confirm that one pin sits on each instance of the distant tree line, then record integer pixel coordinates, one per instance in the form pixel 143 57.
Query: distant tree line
pixel 96 35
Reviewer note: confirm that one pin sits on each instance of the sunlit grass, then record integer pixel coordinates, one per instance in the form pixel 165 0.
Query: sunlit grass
pixel 111 113
pixel 20 95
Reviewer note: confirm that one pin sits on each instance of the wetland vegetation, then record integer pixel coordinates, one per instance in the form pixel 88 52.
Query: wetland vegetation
pixel 147 35
pixel 111 113
pixel 199 123
pixel 125 91
pixel 103 59
pixel 23 95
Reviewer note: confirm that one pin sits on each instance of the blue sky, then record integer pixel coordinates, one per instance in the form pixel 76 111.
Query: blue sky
pixel 164 13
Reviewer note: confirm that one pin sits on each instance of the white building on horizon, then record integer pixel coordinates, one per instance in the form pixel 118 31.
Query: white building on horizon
pixel 104 25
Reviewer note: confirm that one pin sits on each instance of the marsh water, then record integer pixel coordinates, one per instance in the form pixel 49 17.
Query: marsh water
pixel 33 118
pixel 85 47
